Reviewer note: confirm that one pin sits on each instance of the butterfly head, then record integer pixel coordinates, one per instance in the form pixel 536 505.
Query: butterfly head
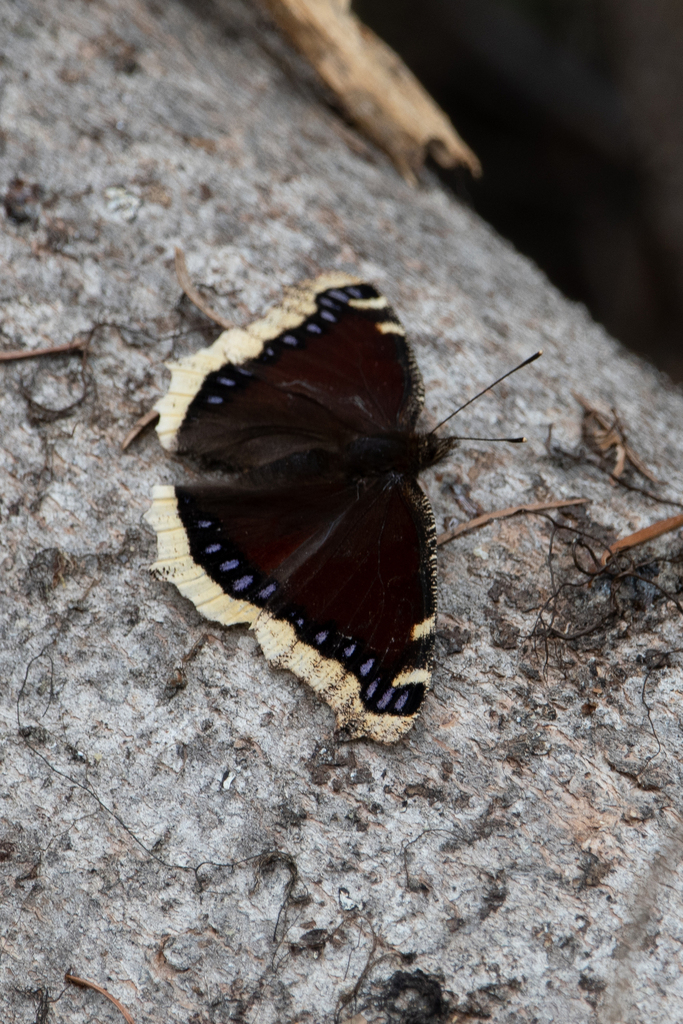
pixel 432 449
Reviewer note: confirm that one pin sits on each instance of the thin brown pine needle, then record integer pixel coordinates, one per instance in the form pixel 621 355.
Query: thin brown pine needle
pixel 505 513
pixel 150 416
pixel 34 353
pixel 641 536
pixel 192 293
pixel 84 983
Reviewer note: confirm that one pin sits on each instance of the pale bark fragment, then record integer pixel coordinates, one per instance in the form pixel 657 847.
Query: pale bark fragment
pixel 373 85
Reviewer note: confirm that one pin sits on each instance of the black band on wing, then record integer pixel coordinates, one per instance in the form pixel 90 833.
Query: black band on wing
pixel 219 557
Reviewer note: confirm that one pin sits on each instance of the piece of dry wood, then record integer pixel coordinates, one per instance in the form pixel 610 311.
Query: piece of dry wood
pixel 192 293
pixel 375 88
pixel 84 983
pixel 504 513
pixel 641 536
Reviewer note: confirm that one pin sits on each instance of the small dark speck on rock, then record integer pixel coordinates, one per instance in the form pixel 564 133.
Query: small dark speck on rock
pixel 314 939
pixel 592 987
pixel 415 996
pixel 291 815
pixel 37 733
pixel 22 201
pixel 454 639
pixel 6 849
pixel 494 896
pixel 504 634
pixel 429 793
pixel 593 870
pixel 360 775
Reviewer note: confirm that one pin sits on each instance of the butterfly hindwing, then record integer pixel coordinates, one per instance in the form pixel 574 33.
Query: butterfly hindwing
pixel 332 593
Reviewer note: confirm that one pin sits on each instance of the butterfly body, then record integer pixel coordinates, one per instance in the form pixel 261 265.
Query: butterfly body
pixel 406 454
pixel 320 538
pixel 386 455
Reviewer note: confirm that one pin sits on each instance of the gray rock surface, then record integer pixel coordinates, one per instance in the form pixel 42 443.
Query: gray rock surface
pixel 178 822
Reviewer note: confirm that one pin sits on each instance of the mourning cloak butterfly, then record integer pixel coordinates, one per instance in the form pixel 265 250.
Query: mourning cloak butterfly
pixel 321 539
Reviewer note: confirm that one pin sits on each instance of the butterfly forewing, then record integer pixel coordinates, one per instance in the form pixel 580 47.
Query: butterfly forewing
pixel 313 381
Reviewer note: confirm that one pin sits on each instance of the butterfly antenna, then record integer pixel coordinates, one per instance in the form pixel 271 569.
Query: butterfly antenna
pixel 510 440
pixel 526 362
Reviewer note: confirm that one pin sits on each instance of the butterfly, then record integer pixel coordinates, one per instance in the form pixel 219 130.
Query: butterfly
pixel 320 538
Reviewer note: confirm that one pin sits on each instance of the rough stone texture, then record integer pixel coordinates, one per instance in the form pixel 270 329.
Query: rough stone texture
pixel 178 822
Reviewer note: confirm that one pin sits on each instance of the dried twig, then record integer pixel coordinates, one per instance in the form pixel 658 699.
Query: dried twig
pixel 82 345
pixel 581 456
pixel 373 85
pixel 192 293
pixel 150 417
pixel 646 494
pixel 641 536
pixel 504 513
pixel 601 568
pixel 654 668
pixel 83 983
pixel 605 434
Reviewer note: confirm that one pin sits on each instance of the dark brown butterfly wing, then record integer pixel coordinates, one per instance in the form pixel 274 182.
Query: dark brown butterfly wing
pixel 336 576
pixel 330 364
pixel 336 580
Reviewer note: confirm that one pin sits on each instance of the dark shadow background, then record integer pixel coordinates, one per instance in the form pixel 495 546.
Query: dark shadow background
pixel 575 108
